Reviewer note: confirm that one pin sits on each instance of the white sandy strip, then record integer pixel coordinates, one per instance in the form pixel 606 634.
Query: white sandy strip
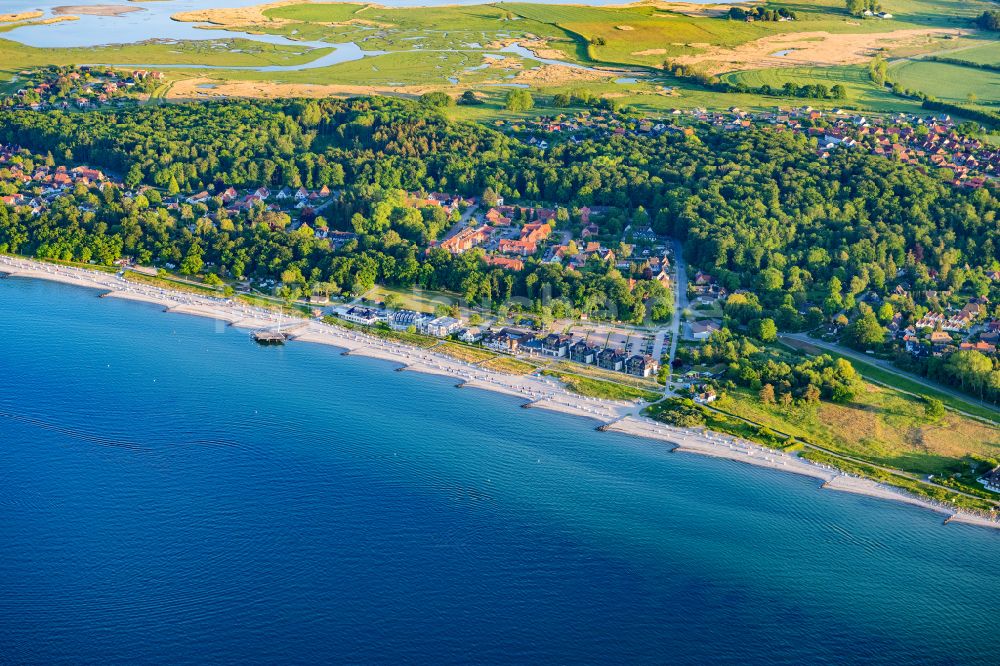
pixel 492 386
pixel 723 446
pixel 720 446
pixel 41 273
pixel 142 298
pixel 541 392
pixel 853 484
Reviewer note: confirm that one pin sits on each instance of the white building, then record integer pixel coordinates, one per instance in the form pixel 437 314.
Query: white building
pixel 443 326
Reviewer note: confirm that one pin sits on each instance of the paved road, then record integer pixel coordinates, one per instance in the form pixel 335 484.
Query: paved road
pixel 680 303
pixel 462 223
pixel 888 367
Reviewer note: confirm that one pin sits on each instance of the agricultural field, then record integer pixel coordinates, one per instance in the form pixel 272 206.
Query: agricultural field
pixel 950 83
pixel 978 53
pixel 862 93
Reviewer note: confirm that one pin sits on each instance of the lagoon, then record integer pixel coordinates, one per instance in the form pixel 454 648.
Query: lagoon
pixel 172 492
pixel 154 21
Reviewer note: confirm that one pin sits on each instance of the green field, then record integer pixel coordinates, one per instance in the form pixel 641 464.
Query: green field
pixel 980 54
pixel 388 29
pixel 390 69
pixel 907 13
pixel 318 13
pixel 15 57
pixel 509 365
pixel 861 92
pixel 950 83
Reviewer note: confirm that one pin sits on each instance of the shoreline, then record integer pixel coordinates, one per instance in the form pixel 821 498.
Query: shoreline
pixel 535 392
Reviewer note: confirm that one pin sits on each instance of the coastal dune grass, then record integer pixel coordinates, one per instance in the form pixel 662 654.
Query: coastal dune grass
pixel 466 353
pixel 509 365
pixel 642 383
pixel 910 485
pixel 601 388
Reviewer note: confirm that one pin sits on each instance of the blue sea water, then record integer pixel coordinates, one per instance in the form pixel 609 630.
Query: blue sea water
pixel 172 493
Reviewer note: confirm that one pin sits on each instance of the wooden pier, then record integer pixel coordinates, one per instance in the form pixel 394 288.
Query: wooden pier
pixel 269 337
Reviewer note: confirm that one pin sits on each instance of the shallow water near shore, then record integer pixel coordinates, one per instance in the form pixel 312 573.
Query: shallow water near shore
pixel 171 492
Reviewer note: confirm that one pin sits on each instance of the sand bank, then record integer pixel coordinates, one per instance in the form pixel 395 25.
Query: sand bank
pixel 20 16
pixel 96 10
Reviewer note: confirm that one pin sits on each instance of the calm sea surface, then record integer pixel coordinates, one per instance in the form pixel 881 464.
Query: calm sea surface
pixel 172 493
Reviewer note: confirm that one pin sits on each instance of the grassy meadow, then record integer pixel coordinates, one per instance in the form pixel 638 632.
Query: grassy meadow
pixel 880 425
pixel 947 82
pixel 15 57
pixel 862 93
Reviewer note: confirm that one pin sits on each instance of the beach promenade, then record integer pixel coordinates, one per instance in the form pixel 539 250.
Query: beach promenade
pixel 533 391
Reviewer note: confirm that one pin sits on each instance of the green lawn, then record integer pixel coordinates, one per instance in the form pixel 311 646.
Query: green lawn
pixel 413 299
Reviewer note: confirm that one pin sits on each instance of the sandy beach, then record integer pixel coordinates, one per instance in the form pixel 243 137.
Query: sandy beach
pixel 537 392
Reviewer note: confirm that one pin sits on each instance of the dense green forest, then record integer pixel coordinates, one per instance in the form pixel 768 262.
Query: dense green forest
pixel 760 210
